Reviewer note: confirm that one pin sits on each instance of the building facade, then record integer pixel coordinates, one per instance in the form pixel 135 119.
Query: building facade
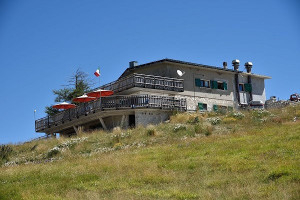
pixel 149 93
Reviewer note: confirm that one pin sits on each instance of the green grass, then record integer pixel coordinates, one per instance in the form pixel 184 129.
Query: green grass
pixel 245 159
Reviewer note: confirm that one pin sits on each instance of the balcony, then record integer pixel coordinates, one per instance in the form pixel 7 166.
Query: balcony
pixel 94 108
pixel 145 81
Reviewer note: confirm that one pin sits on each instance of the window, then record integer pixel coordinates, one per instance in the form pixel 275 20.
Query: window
pixel 218 85
pixel 202 106
pixel 202 83
pixel 205 83
pixel 241 87
pixel 245 87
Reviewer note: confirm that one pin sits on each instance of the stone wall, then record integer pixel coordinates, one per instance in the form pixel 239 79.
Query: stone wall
pixel 270 104
pixel 145 117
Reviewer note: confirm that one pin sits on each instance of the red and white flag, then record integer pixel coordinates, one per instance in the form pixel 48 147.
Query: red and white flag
pixel 97 72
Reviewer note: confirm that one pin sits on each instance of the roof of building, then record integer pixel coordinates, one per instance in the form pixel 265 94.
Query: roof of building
pixel 129 69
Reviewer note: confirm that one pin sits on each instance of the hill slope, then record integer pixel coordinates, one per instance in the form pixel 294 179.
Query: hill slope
pixel 251 155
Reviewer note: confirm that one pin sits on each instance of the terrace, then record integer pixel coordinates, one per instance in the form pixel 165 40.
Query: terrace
pixel 145 81
pixel 106 106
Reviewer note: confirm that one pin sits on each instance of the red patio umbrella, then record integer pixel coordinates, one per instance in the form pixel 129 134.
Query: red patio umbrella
pixel 64 105
pixel 100 93
pixel 83 98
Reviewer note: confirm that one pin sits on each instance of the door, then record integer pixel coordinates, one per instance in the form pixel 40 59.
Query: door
pixel 131 120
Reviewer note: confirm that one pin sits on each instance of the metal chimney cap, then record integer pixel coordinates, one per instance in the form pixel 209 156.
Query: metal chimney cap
pixel 133 64
pixel 236 61
pixel 248 64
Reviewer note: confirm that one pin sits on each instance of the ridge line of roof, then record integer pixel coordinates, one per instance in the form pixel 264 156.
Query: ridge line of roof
pixel 187 63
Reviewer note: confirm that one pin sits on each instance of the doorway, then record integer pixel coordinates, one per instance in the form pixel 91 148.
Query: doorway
pixel 131 120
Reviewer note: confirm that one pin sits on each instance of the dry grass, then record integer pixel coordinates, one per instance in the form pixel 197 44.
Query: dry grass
pixel 253 158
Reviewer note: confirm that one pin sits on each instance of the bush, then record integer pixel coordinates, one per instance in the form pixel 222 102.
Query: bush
pixel 116 138
pixel 179 127
pixel 193 120
pixel 214 120
pixel 237 115
pixel 53 152
pixel 5 152
pixel 259 114
pixel 150 132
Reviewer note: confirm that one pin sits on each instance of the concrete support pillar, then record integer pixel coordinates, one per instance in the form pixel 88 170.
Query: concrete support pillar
pixel 122 121
pixel 76 130
pixel 102 123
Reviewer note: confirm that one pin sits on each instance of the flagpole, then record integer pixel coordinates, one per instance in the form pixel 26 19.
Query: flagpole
pixel 100 90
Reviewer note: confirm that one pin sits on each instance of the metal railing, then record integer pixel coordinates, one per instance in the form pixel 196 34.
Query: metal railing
pixel 114 103
pixel 145 81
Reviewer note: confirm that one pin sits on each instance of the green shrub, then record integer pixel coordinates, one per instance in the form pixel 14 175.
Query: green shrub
pixel 237 115
pixel 193 120
pixel 214 120
pixel 116 138
pixel 53 152
pixel 150 132
pixel 5 152
pixel 196 120
pixel 259 114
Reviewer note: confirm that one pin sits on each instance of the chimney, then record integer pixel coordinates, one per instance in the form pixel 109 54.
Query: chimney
pixel 225 65
pixel 236 64
pixel 248 66
pixel 133 64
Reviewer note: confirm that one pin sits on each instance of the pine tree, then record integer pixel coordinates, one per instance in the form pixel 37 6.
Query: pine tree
pixel 78 84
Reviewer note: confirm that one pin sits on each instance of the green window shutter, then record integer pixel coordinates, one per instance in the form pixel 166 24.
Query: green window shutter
pixel 214 84
pixel 248 87
pixel 224 86
pixel 197 82
pixel 200 106
pixel 215 107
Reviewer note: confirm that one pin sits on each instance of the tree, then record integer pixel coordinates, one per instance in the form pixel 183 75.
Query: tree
pixel 78 84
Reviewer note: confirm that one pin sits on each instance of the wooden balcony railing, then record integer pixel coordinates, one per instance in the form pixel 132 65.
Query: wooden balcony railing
pixel 145 81
pixel 112 102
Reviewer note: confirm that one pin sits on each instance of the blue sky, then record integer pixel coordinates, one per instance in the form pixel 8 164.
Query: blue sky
pixel 43 42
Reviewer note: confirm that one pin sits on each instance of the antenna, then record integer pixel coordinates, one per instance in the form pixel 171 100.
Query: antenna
pixel 180 73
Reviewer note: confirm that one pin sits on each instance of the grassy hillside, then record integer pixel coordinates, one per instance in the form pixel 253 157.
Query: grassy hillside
pixel 250 155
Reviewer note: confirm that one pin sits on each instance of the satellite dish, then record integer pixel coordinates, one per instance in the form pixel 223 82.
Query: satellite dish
pixel 180 73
